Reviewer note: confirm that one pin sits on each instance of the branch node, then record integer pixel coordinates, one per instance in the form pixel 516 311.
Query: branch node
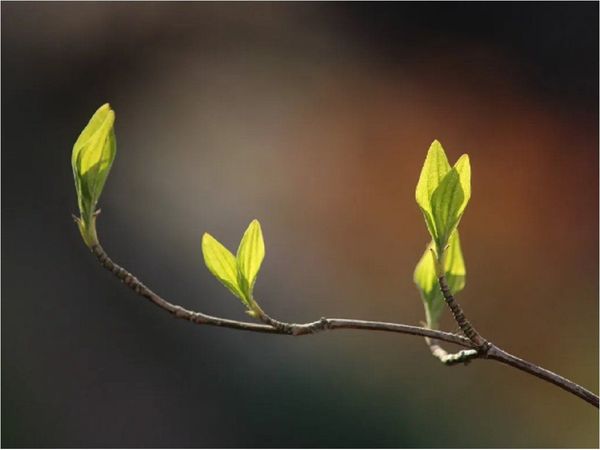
pixel 181 313
pixel 323 323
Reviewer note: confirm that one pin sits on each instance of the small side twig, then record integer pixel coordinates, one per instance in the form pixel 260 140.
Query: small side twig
pixel 451 359
pixel 480 343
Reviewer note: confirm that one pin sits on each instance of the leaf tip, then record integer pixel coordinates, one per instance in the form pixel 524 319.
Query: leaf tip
pixel 464 159
pixel 436 146
pixel 105 111
pixel 207 239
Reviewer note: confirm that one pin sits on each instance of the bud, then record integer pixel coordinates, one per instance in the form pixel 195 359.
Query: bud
pixel 93 155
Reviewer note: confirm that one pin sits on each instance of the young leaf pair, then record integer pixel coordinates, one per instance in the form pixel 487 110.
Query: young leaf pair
pixel 442 194
pixel 91 160
pixel 237 273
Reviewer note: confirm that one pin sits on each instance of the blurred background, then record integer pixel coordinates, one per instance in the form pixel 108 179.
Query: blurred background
pixel 314 118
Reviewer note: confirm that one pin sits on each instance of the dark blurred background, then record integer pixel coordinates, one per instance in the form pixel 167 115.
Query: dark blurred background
pixel 314 118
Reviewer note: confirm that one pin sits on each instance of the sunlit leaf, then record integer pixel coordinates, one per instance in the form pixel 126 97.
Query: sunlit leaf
pixel 222 264
pixel 454 263
pixel 426 281
pixel 91 160
pixel 450 199
pixel 434 169
pixel 250 255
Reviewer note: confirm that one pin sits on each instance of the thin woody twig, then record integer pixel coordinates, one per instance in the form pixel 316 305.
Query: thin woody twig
pixel 483 348
pixel 280 328
pixel 447 358
pixel 451 359
pixel 498 354
pixel 480 343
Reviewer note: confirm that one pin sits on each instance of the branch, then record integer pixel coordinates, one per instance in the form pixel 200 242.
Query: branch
pixel 498 354
pixel 276 327
pixel 483 349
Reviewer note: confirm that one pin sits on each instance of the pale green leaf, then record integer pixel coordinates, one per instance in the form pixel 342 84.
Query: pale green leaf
pixel 92 157
pixel 100 117
pixel 250 255
pixel 93 154
pixel 426 280
pixel 450 199
pixel 222 264
pixel 463 167
pixel 454 264
pixel 93 173
pixel 434 169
